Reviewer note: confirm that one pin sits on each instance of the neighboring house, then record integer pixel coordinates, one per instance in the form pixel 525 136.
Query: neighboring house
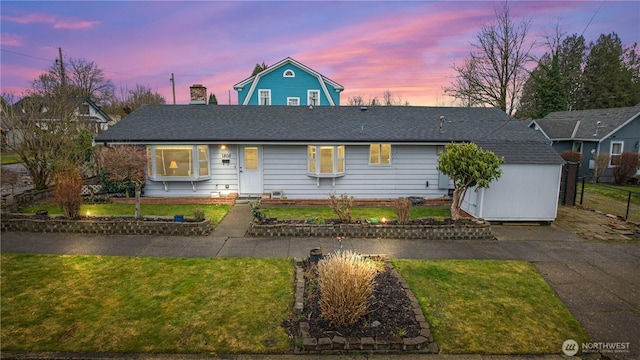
pixel 288 82
pixel 311 152
pixel 609 131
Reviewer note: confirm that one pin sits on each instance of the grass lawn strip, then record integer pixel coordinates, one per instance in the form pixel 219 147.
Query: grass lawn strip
pixel 213 212
pixel 323 213
pixel 490 307
pixel 152 305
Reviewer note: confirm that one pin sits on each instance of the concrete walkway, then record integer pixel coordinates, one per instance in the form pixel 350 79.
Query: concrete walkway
pixel 598 281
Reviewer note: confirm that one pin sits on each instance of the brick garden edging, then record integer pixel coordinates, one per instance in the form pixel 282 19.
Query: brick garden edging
pixel 16 222
pixel 477 230
pixel 306 344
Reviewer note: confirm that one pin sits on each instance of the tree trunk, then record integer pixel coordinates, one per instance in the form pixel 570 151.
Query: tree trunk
pixel 456 202
pixel 138 191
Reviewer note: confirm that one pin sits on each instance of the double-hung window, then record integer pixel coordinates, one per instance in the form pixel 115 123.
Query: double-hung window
pixel 313 97
pixel 264 97
pixel 325 161
pixel 178 162
pixel 615 153
pixel 380 154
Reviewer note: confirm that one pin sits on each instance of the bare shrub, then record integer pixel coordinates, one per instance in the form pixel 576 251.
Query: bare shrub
pixel 68 192
pixel 626 167
pixel 571 156
pixel 10 178
pixel 346 282
pixel 342 206
pixel 602 162
pixel 403 210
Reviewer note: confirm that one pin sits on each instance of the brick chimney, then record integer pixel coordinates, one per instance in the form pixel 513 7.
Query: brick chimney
pixel 198 94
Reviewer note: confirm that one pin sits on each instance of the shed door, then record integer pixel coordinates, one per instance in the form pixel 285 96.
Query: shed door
pixel 250 171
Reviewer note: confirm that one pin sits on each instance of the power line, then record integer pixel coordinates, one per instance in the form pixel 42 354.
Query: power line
pixel 25 55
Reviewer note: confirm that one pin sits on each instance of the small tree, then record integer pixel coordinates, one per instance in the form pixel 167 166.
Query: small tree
pixel 125 164
pixel 626 167
pixel 342 206
pixel 468 166
pixel 571 156
pixel 212 99
pixel 9 178
pixel 68 192
pixel 601 163
pixel 403 210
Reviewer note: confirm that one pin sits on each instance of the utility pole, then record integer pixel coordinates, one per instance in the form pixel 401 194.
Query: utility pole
pixel 63 79
pixel 173 85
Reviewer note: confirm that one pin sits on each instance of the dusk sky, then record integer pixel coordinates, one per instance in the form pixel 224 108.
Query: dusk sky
pixel 406 47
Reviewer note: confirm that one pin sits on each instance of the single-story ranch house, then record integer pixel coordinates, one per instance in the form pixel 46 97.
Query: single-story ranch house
pixel 310 152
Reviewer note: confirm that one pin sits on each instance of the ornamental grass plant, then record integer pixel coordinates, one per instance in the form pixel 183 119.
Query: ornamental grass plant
pixel 346 282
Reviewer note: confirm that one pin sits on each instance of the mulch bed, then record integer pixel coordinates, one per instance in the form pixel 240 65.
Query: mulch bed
pixel 389 315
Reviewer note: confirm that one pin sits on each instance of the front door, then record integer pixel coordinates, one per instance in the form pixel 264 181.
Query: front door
pixel 250 171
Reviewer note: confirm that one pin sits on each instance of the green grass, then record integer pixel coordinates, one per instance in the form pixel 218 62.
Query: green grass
pixel 620 193
pixel 490 307
pixel 323 213
pixel 213 212
pixel 150 305
pixel 10 159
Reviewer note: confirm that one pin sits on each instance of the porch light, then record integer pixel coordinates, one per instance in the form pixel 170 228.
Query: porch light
pixel 223 147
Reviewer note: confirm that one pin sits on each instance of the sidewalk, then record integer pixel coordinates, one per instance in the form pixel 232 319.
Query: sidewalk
pixel 599 281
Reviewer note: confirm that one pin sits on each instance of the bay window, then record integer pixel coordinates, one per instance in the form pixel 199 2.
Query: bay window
pixel 178 162
pixel 325 161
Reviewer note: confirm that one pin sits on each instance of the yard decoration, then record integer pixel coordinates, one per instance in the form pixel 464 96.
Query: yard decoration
pixel 468 166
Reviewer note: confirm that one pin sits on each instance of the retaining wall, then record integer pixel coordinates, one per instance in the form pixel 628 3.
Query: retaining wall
pixel 118 226
pixel 475 230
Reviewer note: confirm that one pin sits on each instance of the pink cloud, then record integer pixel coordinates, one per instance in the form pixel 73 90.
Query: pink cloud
pixel 75 25
pixel 50 19
pixel 10 39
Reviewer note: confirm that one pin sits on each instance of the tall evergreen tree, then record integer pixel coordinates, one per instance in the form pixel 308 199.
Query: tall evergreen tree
pixel 212 99
pixel 610 77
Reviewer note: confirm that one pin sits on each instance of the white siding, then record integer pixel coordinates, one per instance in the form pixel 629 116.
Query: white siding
pixel 285 168
pixel 523 193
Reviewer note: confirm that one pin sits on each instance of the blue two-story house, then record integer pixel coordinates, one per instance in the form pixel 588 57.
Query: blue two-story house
pixel 289 82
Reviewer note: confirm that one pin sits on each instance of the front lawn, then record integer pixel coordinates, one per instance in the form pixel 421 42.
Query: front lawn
pixel 237 305
pixel 490 307
pixel 145 305
pixel 324 213
pixel 213 212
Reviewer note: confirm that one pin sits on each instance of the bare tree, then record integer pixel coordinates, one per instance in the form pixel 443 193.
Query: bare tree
pixel 131 99
pixel 47 137
pixel 80 79
pixel 495 71
pixel 125 164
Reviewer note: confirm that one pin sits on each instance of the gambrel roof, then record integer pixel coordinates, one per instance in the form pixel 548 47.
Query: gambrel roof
pixel 254 80
pixel 489 127
pixel 582 125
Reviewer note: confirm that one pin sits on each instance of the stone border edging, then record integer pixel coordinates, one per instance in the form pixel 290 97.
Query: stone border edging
pixel 481 230
pixel 107 227
pixel 423 343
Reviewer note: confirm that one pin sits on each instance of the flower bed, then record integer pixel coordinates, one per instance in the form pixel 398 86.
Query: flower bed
pixel 309 339
pixel 466 229
pixel 123 225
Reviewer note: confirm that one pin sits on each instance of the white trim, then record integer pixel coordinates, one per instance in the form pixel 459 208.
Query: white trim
pixel 285 73
pixel 309 91
pixel 611 151
pixel 379 163
pixel 539 128
pixel 260 97
pixel 297 99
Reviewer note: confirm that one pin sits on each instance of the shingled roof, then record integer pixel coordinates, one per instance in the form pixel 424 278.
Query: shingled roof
pixel 582 124
pixel 328 124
